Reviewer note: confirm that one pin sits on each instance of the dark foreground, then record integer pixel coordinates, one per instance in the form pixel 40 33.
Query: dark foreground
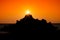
pixel 28 26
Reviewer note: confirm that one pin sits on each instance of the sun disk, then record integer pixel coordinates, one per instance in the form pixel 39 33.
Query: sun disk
pixel 27 12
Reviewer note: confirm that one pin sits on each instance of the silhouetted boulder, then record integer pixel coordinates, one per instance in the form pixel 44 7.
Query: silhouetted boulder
pixel 29 24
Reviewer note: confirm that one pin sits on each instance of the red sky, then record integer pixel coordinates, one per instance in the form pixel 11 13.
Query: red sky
pixel 12 10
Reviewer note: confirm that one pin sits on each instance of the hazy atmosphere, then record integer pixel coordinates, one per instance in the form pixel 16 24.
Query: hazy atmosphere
pixel 12 10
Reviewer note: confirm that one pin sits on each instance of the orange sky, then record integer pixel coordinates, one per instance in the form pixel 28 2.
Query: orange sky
pixel 12 10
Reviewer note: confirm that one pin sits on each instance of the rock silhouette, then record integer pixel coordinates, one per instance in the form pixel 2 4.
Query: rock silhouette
pixel 30 25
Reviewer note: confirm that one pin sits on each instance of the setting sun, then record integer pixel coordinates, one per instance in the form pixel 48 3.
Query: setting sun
pixel 27 12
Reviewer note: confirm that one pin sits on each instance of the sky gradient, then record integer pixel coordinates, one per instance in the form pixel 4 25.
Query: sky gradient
pixel 12 10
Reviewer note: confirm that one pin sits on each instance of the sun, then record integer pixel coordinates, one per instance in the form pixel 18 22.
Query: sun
pixel 27 12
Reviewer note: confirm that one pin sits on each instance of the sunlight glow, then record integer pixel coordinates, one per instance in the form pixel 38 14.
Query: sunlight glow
pixel 27 12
